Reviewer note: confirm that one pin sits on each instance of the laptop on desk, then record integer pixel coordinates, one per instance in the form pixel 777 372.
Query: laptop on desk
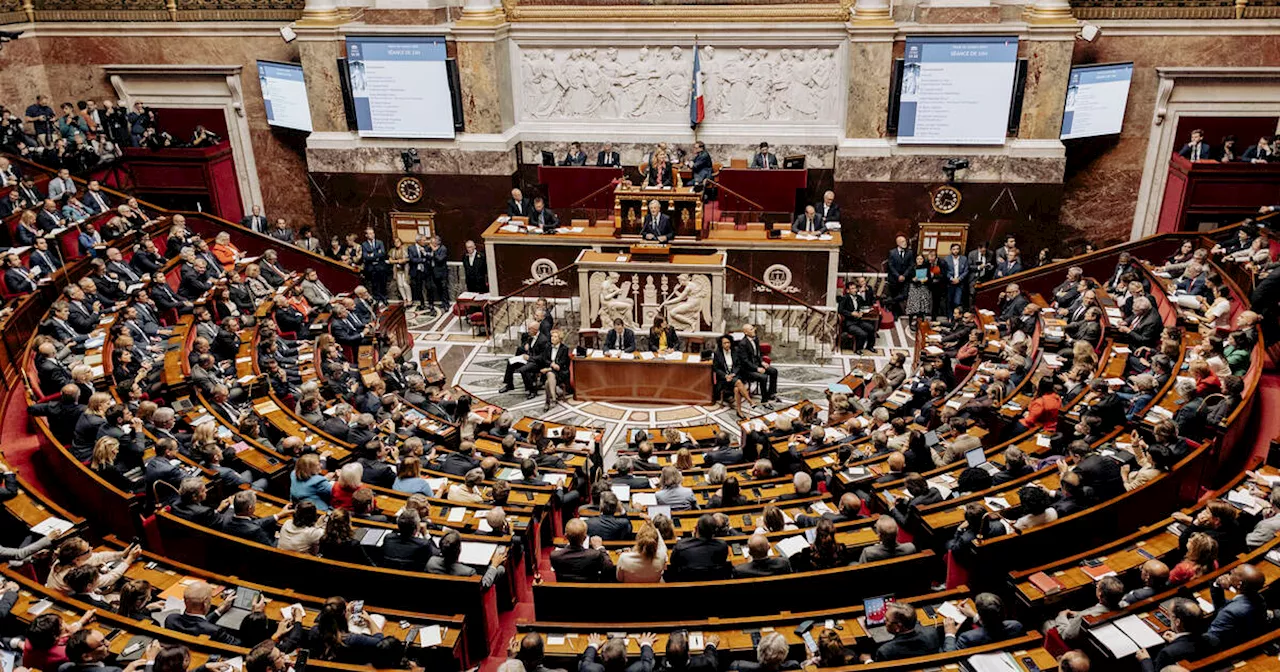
pixel 977 457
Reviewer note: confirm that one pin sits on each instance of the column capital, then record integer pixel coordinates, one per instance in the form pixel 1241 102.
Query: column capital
pixel 871 13
pixel 1050 13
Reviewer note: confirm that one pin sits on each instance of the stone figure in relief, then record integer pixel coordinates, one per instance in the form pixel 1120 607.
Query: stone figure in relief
pixel 804 98
pixel 613 76
pixel 759 86
pixel 689 303
pixel 784 87
pixel 674 87
pixel 609 300
pixel 548 88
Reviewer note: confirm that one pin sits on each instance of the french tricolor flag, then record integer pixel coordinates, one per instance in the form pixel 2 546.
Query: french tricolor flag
pixel 696 110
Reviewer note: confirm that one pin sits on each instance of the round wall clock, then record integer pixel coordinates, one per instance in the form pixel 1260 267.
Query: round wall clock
pixel 945 199
pixel 409 189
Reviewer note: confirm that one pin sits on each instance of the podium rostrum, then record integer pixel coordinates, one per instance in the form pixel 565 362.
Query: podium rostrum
pixel 682 204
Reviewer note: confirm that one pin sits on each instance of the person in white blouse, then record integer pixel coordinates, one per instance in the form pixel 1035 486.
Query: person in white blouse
pixel 645 561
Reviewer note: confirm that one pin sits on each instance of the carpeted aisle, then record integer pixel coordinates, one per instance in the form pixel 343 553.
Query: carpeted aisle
pixel 21 447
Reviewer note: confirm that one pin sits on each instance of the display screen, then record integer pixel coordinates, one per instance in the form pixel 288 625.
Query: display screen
pixel 284 93
pixel 1096 97
pixel 957 90
pixel 400 87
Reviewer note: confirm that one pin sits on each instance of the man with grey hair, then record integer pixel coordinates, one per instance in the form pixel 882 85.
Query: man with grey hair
pixel 1144 327
pixel 803 484
pixel 338 425
pixel 406 548
pixel 532 342
pixel 1267 528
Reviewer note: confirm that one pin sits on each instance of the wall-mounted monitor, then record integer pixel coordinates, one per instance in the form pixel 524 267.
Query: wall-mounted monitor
pixel 400 86
pixel 1096 97
pixel 284 94
pixel 957 90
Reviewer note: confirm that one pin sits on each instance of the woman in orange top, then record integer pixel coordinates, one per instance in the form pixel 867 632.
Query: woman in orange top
pixel 226 253
pixel 1042 413
pixel 295 300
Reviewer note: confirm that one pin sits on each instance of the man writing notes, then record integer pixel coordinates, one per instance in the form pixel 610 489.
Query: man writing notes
pixel 657 226
pixel 764 158
pixel 543 218
pixel 1197 149
pixel 809 222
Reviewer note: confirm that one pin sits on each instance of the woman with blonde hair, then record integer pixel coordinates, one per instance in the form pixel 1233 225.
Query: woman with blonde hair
pixel 103 464
pixel 1200 559
pixel 204 433
pixel 258 285
pixel 409 478
pixel 684 459
pixel 307 483
pixel 643 562
pixel 1082 354
pixel 226 253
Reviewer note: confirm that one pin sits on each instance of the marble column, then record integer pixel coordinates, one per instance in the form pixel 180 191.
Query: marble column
pixel 1048 54
pixel 870 69
pixel 872 12
pixel 484 68
pixel 320 10
pixel 1050 12
pixel 319 49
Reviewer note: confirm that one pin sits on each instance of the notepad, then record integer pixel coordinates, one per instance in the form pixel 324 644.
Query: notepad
pixel 622 491
pixel 477 553
pixel 51 526
pixel 1114 640
pixel 645 499
pixel 1137 630
pixel 430 636
pixel 792 545
pixel 457 514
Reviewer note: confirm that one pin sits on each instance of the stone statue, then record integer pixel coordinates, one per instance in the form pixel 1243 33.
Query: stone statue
pixel 610 301
pixel 690 303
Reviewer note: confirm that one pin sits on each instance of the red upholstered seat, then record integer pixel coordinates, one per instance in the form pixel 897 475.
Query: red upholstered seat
pixel 957 575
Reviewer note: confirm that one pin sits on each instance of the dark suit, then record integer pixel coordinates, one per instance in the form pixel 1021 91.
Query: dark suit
pixel 1188 646
pixel 17 281
pixel 191 624
pixel 52 374
pixel 917 642
pixel 703 167
pixel 259 530
pixel 828 213
pixel 579 159
pixel 657 229
pixel 955 268
pixel 559 355
pixel 62 417
pixel 750 360
pixel 766 160
pixel 1237 620
pixel 377 472
pixel 722 368
pixel 539 358
pixel 699 559
pixel 522 209
pixel 609 528
pixel 545 220
pixel 373 258
pixel 608 159
pixel 900 263
pixel 804 224
pixel 645 664
pixel 476 271
pixel 407 553
pixel 581 565
pixel 1145 330
pixel 1201 151
pixel 628 343
pixel 160 469
pixel 255 222
pixel 775 566
pixel 439 277
pixel 194 284
pixel 852 307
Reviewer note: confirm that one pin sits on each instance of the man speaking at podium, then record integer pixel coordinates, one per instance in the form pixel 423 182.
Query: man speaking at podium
pixel 657 226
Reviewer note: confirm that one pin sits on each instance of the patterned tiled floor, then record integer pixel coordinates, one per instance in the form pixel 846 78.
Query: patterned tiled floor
pixel 471 362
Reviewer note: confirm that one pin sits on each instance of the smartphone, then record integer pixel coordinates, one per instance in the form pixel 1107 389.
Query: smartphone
pixel 357 606
pixel 111 635
pixel 300 663
pixel 1163 618
pixel 215 657
pixel 929 611
pixel 748 520
pixel 1146 554
pixel 805 626
pixel 809 644
pixel 755 639
pixel 1030 664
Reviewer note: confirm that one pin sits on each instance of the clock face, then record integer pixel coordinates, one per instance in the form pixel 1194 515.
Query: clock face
pixel 946 199
pixel 409 189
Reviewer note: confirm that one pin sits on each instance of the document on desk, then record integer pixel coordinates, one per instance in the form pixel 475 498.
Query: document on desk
pixel 792 545
pixel 645 499
pixel 1114 640
pixel 647 356
pixel 623 492
pixel 993 662
pixel 457 514
pixel 430 636
pixel 951 611
pixel 51 526
pixel 477 553
pixel 1137 630
pixel 674 356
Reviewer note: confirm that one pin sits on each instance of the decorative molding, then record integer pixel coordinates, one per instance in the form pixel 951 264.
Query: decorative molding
pixel 761 85
pixel 677 14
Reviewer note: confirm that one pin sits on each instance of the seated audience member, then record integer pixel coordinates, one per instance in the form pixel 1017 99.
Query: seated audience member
pixel 771 656
pixel 1219 520
pixel 244 524
pixel 583 560
pixel 609 526
pixel 1201 557
pixel 1070 624
pixel 677 658
pixel 673 493
pixel 909 639
pixel 1242 617
pixel 1036 507
pixel 447 561
pixel 888 546
pixel 983 625
pixel 406 548
pixel 1269 526
pixel 646 560
pixel 1186 638
pixel 199 618
pixel 761 564
pixel 331 638
pixel 1155 577
pixel 302 532
pixel 702 557
pixel 613 654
